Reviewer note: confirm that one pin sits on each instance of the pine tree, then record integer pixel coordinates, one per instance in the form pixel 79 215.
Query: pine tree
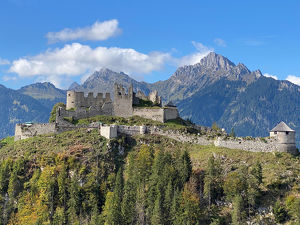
pixel 62 181
pixel 185 168
pixel 129 197
pixel 168 202
pixel 238 211
pixel 74 201
pixel 157 215
pixel 279 212
pixel 4 175
pixel 176 209
pixel 112 209
pixel 212 183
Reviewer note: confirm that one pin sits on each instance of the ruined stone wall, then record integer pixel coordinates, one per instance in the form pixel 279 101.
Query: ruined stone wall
pixel 23 131
pixel 253 145
pixel 131 130
pixel 77 100
pixel 109 132
pixel 123 101
pixel 170 113
pixel 80 113
pixel 156 114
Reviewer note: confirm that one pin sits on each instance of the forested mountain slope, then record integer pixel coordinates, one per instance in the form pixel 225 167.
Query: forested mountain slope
pixel 78 177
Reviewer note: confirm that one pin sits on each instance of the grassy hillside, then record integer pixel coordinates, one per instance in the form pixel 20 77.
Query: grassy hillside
pixel 78 177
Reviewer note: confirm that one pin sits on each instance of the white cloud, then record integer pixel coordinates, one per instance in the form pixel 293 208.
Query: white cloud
pixel 220 42
pixel 4 62
pixel 77 59
pixel 99 31
pixel 194 58
pixel 270 75
pixel 294 79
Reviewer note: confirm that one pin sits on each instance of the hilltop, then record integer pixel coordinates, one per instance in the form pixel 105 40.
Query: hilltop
pixel 76 176
pixel 213 90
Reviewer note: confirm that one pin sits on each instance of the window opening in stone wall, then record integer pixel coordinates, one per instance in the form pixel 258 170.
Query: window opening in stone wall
pixel 275 132
pixel 287 133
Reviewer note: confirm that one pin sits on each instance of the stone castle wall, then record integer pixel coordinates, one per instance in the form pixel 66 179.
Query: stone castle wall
pixel 156 114
pixel 23 131
pixel 106 109
pixel 132 130
pixel 253 145
pixel 76 100
pixel 123 101
pixel 170 113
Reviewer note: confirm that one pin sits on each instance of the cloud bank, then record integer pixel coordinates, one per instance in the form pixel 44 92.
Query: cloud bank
pixel 194 58
pixel 77 59
pixel 293 79
pixel 99 31
pixel 270 75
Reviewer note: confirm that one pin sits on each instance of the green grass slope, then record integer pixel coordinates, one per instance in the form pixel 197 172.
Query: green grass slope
pixel 74 178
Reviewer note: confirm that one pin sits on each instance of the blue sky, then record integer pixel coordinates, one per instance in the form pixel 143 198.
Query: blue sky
pixel 146 39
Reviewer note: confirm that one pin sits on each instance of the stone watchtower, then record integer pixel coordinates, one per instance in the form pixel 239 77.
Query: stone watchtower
pixel 123 101
pixel 285 138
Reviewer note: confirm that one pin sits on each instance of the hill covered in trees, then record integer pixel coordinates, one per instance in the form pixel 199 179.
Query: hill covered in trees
pixel 78 177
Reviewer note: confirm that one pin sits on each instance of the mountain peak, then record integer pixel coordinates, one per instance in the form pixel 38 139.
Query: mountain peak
pixel 73 86
pixel 216 61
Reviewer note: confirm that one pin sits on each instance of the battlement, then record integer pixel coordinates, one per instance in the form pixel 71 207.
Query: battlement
pixel 76 100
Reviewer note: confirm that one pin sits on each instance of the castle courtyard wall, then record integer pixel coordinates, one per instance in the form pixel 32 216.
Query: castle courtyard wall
pixel 23 131
pixel 109 131
pixel 156 114
pixel 170 113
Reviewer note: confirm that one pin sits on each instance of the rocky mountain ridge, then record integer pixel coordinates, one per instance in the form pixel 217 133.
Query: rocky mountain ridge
pixel 215 90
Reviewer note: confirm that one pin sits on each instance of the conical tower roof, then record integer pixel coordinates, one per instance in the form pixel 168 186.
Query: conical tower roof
pixel 282 127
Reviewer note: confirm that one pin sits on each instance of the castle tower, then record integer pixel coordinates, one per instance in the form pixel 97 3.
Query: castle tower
pixel 285 138
pixel 122 101
pixel 71 100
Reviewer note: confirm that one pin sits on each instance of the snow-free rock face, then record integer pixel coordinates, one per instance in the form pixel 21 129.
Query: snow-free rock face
pixel 103 81
pixel 187 80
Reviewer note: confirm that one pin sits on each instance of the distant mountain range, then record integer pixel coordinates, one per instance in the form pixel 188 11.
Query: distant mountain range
pixel 213 90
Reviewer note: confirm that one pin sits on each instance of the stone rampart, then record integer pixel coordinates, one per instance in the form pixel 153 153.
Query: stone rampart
pixel 153 113
pixel 132 130
pixel 80 113
pixel 253 145
pixel 77 100
pixel 23 131
pixel 170 113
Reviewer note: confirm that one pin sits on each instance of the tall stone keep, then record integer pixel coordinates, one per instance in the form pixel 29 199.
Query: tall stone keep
pixel 285 138
pixel 123 101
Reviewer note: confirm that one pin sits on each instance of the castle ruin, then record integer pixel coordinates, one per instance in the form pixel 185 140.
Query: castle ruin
pixel 129 103
pixel 125 104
